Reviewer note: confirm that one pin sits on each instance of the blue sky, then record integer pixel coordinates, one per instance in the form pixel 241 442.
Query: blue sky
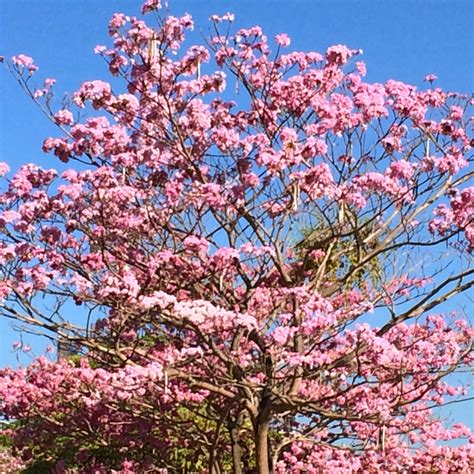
pixel 401 39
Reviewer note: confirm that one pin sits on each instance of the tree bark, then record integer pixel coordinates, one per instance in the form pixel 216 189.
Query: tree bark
pixel 236 450
pixel 262 457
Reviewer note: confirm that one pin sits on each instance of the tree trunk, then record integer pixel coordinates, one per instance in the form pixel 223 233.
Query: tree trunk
pixel 236 450
pixel 262 456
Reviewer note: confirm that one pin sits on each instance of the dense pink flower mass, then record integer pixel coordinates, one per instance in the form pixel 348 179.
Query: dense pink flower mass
pixel 252 240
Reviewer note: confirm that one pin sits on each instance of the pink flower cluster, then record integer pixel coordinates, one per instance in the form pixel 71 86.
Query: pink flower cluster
pixel 459 215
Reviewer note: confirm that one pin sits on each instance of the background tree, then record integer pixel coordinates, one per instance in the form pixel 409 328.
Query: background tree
pixel 259 268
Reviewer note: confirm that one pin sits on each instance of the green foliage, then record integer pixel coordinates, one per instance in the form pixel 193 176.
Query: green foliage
pixel 345 256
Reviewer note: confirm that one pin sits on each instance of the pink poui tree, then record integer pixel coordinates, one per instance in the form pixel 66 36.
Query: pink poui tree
pixel 260 245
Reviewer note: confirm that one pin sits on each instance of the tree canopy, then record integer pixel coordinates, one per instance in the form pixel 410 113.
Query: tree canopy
pixel 260 243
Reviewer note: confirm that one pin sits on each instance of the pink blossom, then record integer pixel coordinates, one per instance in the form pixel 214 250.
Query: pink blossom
pixel 99 49
pixel 98 92
pixel 339 54
pixel 195 243
pixel 456 113
pixel 430 78
pixel 225 256
pixel 227 17
pixel 283 40
pixel 150 5
pixel 64 117
pixel 361 68
pixel 4 168
pixel 401 169
pixel 391 144
pixel 25 62
pixel 8 217
pixel 49 82
pixel 280 335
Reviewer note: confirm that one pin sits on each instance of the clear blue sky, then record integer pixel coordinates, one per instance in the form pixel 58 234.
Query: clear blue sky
pixel 401 39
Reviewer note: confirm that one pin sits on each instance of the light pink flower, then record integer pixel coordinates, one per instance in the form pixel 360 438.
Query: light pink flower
pixel 430 78
pixel 4 168
pixel 283 40
pixel 24 61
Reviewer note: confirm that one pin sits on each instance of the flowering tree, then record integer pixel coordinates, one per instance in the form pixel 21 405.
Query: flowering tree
pixel 259 269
